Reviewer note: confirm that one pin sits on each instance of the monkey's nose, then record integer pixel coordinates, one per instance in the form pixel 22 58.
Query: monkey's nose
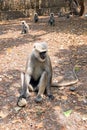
pixel 42 56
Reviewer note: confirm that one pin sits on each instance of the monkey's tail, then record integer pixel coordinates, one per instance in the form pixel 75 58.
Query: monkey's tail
pixel 66 83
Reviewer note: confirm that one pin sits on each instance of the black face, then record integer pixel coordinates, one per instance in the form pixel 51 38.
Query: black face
pixel 52 15
pixel 22 22
pixel 43 55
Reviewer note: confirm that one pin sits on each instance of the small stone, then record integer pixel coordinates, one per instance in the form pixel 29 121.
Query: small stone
pixel 74 101
pixel 72 88
pixel 17 108
pixel 85 101
pixel 22 102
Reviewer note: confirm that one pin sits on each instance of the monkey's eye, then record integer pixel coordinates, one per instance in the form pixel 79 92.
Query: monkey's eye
pixel 43 55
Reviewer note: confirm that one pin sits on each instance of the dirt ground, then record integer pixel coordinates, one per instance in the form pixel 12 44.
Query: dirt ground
pixel 67 47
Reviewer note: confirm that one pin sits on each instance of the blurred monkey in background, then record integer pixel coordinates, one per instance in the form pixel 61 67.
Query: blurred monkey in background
pixel 25 27
pixel 51 19
pixel 36 18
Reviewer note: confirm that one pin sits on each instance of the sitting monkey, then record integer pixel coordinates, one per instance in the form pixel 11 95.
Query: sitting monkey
pixel 25 27
pixel 36 18
pixel 51 19
pixel 38 74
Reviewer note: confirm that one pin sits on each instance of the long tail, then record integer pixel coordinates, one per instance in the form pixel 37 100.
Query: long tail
pixel 66 83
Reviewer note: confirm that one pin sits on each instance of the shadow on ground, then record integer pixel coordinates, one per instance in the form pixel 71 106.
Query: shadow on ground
pixel 67 26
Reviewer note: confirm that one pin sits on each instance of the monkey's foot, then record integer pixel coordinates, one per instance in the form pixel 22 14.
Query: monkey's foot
pixel 38 99
pixel 22 102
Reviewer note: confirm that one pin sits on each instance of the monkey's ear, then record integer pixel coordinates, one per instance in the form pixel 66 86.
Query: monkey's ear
pixel 22 78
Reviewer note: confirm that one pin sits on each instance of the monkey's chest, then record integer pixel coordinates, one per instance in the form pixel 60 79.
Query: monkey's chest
pixel 37 72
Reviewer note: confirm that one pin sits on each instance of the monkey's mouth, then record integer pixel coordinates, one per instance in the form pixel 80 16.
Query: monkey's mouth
pixel 43 55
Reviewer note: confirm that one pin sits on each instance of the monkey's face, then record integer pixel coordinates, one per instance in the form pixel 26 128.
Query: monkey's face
pixel 23 22
pixel 40 51
pixel 41 56
pixel 51 15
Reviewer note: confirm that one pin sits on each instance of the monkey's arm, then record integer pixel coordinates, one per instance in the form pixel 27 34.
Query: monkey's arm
pixel 22 29
pixel 25 80
pixel 48 88
pixel 49 82
pixel 28 73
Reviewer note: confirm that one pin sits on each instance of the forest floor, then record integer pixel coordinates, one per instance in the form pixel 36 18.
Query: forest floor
pixel 67 47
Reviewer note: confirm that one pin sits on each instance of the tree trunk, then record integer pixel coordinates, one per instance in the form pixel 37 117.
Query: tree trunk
pixel 81 3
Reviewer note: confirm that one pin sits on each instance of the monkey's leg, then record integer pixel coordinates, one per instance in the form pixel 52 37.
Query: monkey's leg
pixel 25 31
pixel 22 32
pixel 24 84
pixel 48 90
pixel 54 23
pixel 22 98
pixel 42 86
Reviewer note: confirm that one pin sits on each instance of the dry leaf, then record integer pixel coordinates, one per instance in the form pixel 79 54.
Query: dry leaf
pixel 40 125
pixel 64 97
pixel 61 88
pixel 84 117
pixel 9 50
pixel 57 108
pixel 15 121
pixel 17 108
pixel 3 114
pixel 0 79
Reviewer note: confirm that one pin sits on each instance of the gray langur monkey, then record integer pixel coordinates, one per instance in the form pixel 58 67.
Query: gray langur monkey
pixel 36 18
pixel 51 19
pixel 25 27
pixel 38 75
